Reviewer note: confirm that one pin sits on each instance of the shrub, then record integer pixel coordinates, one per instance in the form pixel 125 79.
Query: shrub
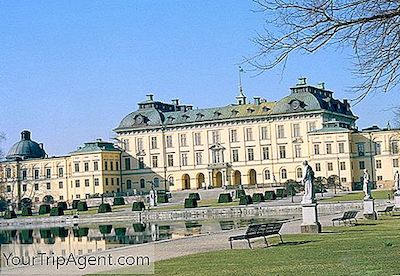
pixel 225 198
pixel 120 231
pixel 240 193
pixel 258 197
pixel 56 211
pixel 105 229
pixel 104 208
pixel 270 195
pixel 44 209
pixel 61 232
pixel 281 193
pixel 26 202
pixel 82 206
pixel 190 203
pixel 45 233
pixel 245 200
pixel 162 198
pixel 63 205
pixel 81 232
pixel 10 214
pixel 26 236
pixel 75 203
pixel 195 196
pixel 119 201
pixel 138 206
pixel 139 227
pixel 26 211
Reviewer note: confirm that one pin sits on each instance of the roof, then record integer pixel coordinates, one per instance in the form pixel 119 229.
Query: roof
pixel 26 148
pixel 97 146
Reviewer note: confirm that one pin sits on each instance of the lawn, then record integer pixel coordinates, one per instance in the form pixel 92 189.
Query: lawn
pixel 201 203
pixel 370 248
pixel 381 194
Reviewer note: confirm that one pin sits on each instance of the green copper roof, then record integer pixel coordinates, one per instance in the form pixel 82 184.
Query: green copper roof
pixel 95 147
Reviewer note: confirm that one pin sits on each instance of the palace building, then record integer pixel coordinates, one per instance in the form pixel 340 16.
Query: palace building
pixel 173 146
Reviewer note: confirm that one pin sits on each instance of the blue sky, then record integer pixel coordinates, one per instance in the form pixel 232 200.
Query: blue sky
pixel 71 70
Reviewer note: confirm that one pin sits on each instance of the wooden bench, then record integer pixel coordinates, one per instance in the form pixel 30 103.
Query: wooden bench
pixel 258 231
pixel 347 217
pixel 388 210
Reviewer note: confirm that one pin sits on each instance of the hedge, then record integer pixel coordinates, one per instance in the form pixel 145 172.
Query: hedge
pixel 45 233
pixel 105 229
pixel 225 198
pixel 258 197
pixel 162 198
pixel 138 206
pixel 270 195
pixel 245 200
pixel 82 206
pixel 81 232
pixel 10 214
pixel 240 193
pixel 120 231
pixel 26 211
pixel 26 236
pixel 56 211
pixel 281 193
pixel 196 196
pixel 44 209
pixel 63 205
pixel 190 203
pixel 119 201
pixel 139 227
pixel 75 203
pixel 61 232
pixel 104 208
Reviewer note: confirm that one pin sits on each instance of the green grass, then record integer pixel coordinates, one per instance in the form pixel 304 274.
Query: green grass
pixel 370 248
pixel 201 203
pixel 381 194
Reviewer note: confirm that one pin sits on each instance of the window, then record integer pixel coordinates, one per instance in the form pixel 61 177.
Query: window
pixel 168 139
pixel 216 156
pixel 297 151
pixel 233 135
pixel 24 186
pixel 299 173
pixel 282 152
pixel 60 172
pixel 96 165
pixel 183 140
pixel 264 133
pixel 76 167
pixel 199 158
pixel 105 165
pixel 215 136
pixel 312 126
pixel 106 179
pixel 283 174
pixel 361 149
pixel 361 165
pixel 126 144
pixel 60 185
pixel 171 181
pixel 330 166
pixel 86 166
pixel 267 175
pixel 139 144
pixel 184 159
pixel 77 183
pixel 378 148
pixel 117 165
pixel 317 167
pixel 37 199
pixel 36 187
pixel 24 174
pixel 378 164
pixel 48 186
pixel 394 147
pixel 316 149
pixel 396 163
pixel 342 166
pixel 87 182
pixel 250 154
pixel 127 163
pixel 142 183
pixel 328 148
pixel 111 165
pixel 153 142
pixel 235 155
pixel 156 182
pixel 154 161
pixel 343 179
pixel 197 139
pixel 281 131
pixel 341 147
pixel 249 134
pixel 78 196
pixel 296 130
pixel 141 163
pixel 8 173
pixel 379 177
pixel 8 188
pixel 265 152
pixel 36 174
pixel 128 184
pixel 48 173
pixel 170 160
pixel 96 182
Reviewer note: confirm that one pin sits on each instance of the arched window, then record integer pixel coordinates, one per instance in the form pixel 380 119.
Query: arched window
pixel 129 184
pixel 267 175
pixel 171 181
pixel 283 174
pixel 299 173
pixel 142 183
pixel 156 182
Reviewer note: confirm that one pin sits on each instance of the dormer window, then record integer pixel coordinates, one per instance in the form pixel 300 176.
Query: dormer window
pixel 250 110
pixel 199 116
pixel 265 109
pixel 234 112
pixel 185 116
pixel 170 119
pixel 217 114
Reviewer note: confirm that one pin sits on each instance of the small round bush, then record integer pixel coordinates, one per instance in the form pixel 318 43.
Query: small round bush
pixel 105 229
pixel 44 209
pixel 56 211
pixel 162 198
pixel 195 196
pixel 139 227
pixel 10 214
pixel 224 198
pixel 104 208
pixel 82 206
pixel 26 211
pixel 245 200
pixel 75 203
pixel 270 195
pixel 258 197
pixel 63 205
pixel 119 201
pixel 138 206
pixel 190 203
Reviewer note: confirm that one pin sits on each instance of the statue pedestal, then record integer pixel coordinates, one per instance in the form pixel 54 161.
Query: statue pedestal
pixel 369 209
pixel 397 201
pixel 310 219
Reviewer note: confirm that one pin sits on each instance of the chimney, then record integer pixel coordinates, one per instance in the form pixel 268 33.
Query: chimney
pixel 150 97
pixel 175 101
pixel 25 135
pixel 346 104
pixel 302 81
pixel 257 100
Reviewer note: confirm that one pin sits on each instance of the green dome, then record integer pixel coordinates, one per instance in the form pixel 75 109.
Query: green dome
pixel 26 148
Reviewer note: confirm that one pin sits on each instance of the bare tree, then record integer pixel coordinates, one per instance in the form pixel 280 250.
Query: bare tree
pixel 371 28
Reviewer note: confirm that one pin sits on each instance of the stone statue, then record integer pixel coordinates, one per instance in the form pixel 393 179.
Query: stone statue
pixel 153 197
pixel 397 183
pixel 308 181
pixel 366 185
